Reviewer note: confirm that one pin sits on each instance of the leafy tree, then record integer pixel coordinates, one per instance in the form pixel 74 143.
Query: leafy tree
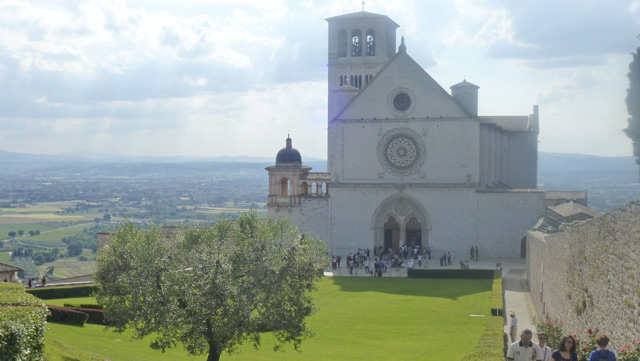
pixel 211 288
pixel 20 232
pixel 12 234
pixel 106 217
pixel 74 249
pixel 633 104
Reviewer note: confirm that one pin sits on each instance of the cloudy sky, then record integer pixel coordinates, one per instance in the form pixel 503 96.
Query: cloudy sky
pixel 214 77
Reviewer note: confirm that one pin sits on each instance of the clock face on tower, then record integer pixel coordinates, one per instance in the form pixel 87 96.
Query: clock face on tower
pixel 401 151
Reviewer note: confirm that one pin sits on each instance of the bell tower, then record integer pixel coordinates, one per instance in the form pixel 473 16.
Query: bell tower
pixel 360 44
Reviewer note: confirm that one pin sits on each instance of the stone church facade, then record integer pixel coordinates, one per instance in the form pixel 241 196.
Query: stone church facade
pixel 408 162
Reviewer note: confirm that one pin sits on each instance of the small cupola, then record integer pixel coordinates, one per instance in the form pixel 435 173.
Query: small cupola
pixel 288 155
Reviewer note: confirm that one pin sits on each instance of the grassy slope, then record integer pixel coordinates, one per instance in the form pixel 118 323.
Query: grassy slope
pixel 5 258
pixel 364 318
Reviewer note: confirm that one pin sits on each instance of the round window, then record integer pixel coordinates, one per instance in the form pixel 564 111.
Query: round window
pixel 402 101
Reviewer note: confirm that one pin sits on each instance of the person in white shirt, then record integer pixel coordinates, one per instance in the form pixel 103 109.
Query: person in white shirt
pixel 542 343
pixel 513 327
pixel 524 350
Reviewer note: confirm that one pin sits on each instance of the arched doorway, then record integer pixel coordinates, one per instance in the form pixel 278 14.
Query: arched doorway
pixel 391 235
pixel 414 233
pixel 400 220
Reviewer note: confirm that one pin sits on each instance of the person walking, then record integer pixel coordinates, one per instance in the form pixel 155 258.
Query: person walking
pixel 566 350
pixel 477 253
pixel 513 326
pixel 524 350
pixel 471 253
pixel 542 343
pixel 602 354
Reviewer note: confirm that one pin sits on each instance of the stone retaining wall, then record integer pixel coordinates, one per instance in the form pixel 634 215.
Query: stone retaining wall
pixel 588 275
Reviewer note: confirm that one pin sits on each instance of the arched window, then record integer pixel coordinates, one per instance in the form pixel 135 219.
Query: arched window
pixel 304 188
pixel 351 80
pixel 356 42
pixel 359 81
pixel 285 187
pixel 342 43
pixel 314 188
pixel 371 42
pixel 341 81
pixel 324 188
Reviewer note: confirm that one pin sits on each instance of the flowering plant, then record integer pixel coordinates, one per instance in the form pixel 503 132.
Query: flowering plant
pixel 553 329
pixel 585 347
pixel 630 353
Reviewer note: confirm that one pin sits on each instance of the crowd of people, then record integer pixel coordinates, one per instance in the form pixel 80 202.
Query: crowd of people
pixel 527 350
pixel 406 257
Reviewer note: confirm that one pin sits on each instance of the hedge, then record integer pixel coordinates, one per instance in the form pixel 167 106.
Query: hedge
pixel 22 324
pixel 84 305
pixel 450 273
pixel 497 299
pixel 49 293
pixel 95 316
pixel 492 344
pixel 67 316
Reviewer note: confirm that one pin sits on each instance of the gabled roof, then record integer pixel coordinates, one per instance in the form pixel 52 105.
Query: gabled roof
pixel 9 268
pixel 431 99
pixel 571 208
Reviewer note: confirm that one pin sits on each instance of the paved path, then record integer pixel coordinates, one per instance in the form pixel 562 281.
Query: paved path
pixel 517 298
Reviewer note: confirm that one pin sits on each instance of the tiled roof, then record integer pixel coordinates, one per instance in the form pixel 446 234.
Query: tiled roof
pixel 9 268
pixel 509 123
pixel 571 208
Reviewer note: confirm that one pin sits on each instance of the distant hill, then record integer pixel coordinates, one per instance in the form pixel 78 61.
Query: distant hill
pixel 549 164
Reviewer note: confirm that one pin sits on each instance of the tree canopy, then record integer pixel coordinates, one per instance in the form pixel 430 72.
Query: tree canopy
pixel 211 288
pixel 633 104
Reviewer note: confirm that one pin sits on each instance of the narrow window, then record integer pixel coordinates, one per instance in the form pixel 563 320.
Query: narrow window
pixel 304 189
pixel 359 81
pixel 356 42
pixel 341 81
pixel 324 188
pixel 314 188
pixel 342 43
pixel 284 187
pixel 371 42
pixel 351 80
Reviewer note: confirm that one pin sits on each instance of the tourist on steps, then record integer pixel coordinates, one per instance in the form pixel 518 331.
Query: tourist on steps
pixel 524 350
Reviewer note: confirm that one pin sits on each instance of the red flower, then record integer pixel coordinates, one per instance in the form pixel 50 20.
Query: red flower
pixel 590 331
pixel 597 330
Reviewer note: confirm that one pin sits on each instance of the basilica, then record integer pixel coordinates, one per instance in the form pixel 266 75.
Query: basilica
pixel 409 163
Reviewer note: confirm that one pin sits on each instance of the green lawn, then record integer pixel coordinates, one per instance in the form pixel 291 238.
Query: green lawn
pixel 359 319
pixel 26 227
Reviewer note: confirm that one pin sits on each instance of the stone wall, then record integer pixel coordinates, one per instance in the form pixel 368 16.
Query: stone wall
pixel 588 275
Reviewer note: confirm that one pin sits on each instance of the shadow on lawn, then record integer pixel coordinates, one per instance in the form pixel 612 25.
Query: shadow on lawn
pixel 441 288
pixel 65 358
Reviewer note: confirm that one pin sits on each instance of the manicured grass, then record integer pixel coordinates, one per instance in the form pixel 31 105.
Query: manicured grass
pixel 359 318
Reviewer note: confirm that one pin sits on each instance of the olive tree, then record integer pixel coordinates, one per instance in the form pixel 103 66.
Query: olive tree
pixel 211 288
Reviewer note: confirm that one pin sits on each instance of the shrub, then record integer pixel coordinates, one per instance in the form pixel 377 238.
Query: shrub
pixel 95 316
pixel 92 306
pixel 553 329
pixel 497 300
pixel 22 324
pixel 49 293
pixel 67 316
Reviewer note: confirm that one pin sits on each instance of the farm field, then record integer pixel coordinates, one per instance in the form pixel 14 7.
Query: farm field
pixel 44 217
pixel 5 258
pixel 365 318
